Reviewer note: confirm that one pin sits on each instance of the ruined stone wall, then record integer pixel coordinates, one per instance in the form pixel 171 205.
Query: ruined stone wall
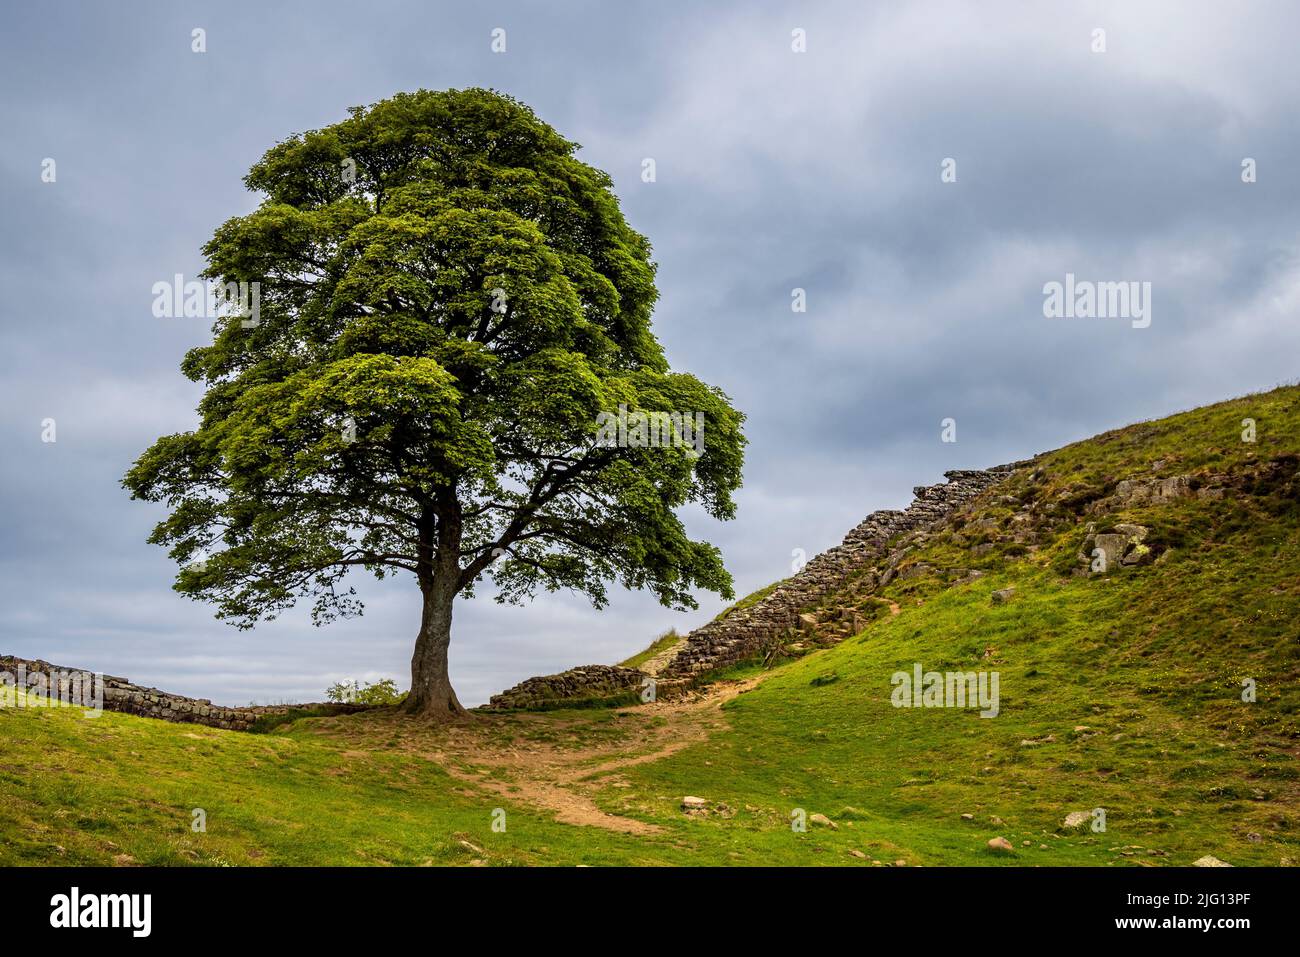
pixel 588 681
pixel 121 695
pixel 749 632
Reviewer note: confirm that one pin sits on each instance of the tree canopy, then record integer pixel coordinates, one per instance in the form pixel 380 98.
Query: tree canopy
pixel 449 300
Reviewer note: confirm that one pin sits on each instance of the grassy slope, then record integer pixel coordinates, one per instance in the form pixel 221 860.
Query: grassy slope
pixel 78 791
pixel 1149 659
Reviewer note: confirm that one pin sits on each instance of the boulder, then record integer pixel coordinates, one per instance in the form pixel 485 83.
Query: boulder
pixel 1179 486
pixel 1112 545
pixel 1134 532
pixel 1001 845
pixel 1076 819
pixel 1139 554
pixel 1130 492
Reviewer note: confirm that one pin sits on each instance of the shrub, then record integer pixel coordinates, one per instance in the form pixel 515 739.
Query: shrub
pixel 355 692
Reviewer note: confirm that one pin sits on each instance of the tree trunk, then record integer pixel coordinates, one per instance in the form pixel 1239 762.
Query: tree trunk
pixel 431 694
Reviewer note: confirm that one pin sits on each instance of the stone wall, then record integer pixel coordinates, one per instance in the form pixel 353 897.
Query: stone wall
pixel 749 632
pixel 589 682
pixel 121 695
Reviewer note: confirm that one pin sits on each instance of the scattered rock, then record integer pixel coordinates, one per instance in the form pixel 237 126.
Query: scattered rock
pixel 1112 545
pixel 1209 860
pixel 1003 595
pixel 694 804
pixel 857 853
pixel 1135 532
pixel 1076 819
pixel 1001 844
pixel 1139 554
pixel 821 820
pixel 968 817
pixel 915 571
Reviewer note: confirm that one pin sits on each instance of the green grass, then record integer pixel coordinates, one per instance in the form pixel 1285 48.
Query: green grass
pixel 121 789
pixel 1148 661
pixel 1181 766
pixel 660 644
pixel 1151 660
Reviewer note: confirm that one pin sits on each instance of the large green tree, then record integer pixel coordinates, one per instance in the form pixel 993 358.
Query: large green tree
pixel 450 300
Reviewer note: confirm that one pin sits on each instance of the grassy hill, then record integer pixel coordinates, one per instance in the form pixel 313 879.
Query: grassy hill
pixel 1119 690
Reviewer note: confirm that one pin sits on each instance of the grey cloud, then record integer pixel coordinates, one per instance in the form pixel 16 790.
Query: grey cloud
pixel 776 170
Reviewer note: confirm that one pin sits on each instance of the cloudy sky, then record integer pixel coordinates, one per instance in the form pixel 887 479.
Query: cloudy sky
pixel 776 170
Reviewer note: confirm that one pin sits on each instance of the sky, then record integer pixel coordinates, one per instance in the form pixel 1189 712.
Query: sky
pixel 921 171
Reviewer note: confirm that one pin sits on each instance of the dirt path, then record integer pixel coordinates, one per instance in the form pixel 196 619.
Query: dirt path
pixel 558 763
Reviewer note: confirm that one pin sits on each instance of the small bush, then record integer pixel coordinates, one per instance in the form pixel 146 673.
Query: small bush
pixel 355 692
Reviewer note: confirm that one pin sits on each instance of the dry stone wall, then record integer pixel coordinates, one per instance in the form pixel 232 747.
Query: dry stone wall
pixel 588 681
pixel 750 632
pixel 121 695
pixel 747 633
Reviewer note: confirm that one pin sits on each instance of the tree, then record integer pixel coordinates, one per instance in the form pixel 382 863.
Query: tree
pixel 451 306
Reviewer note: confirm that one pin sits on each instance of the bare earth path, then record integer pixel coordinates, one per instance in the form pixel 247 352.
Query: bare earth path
pixel 555 762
